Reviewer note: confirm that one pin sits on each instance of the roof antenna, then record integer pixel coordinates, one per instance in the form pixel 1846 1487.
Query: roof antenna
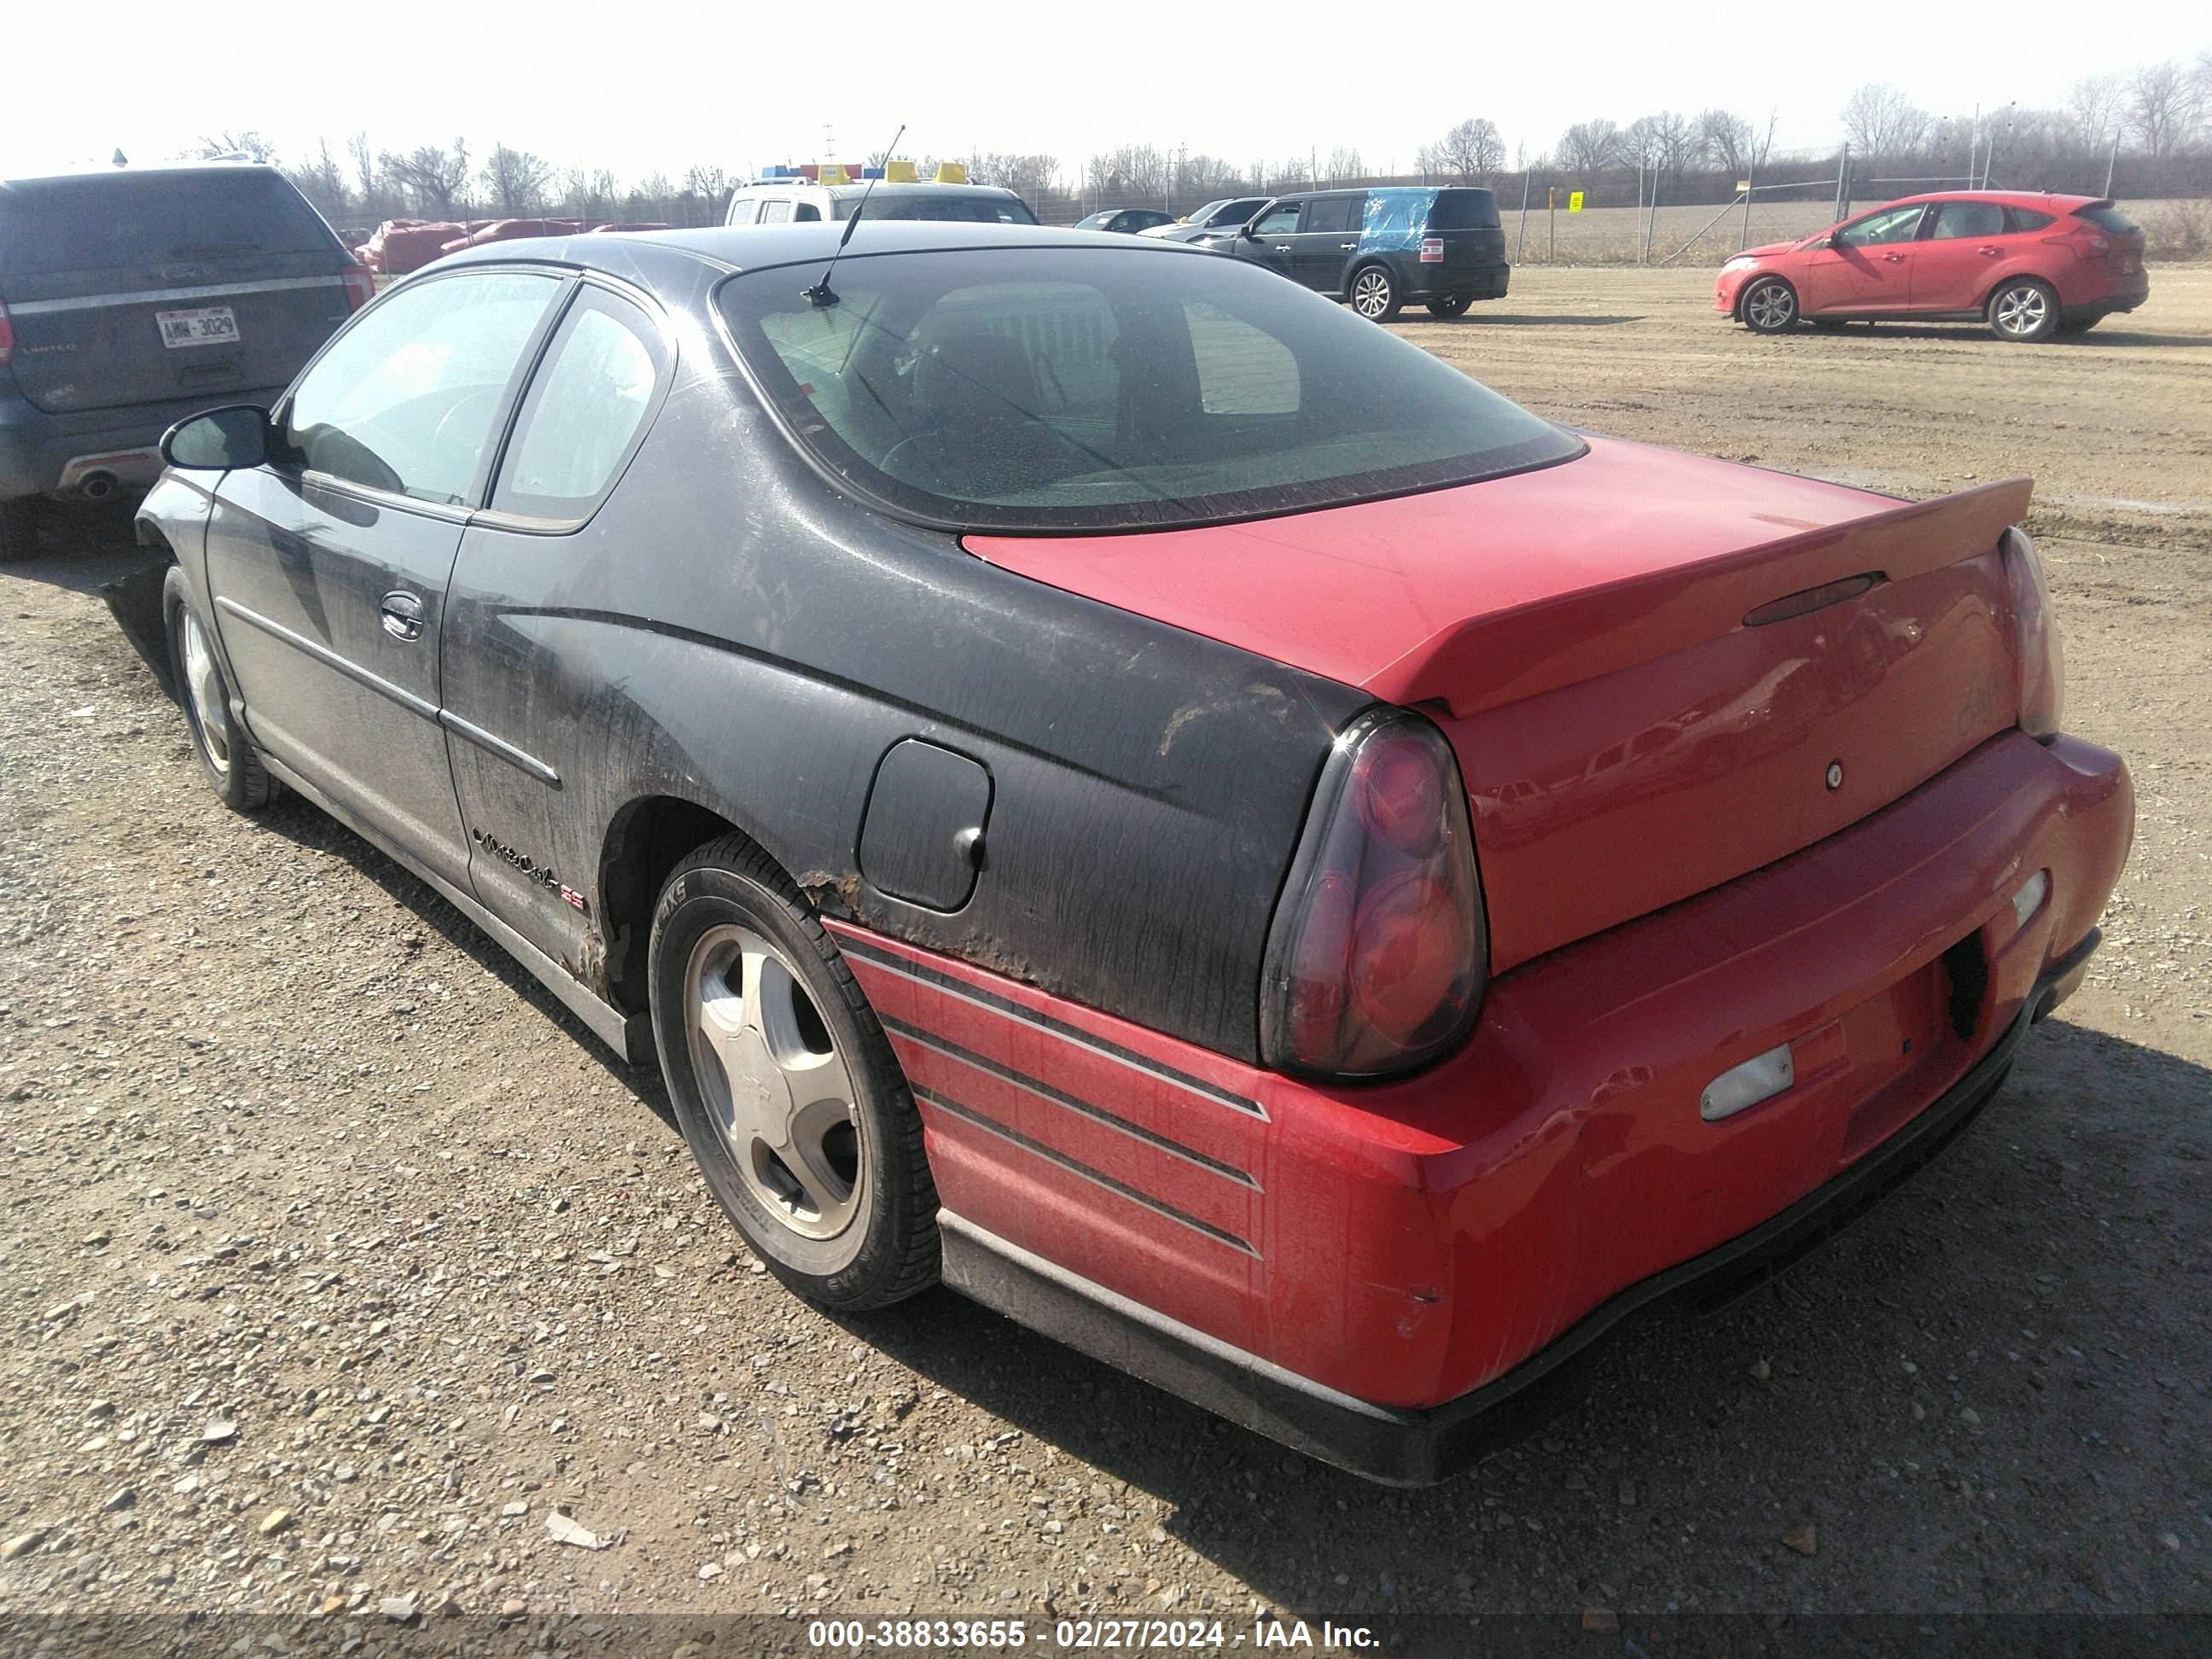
pixel 821 294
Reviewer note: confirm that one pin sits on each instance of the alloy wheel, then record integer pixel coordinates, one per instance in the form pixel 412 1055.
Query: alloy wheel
pixel 2023 311
pixel 1371 294
pixel 1771 307
pixel 776 1090
pixel 210 709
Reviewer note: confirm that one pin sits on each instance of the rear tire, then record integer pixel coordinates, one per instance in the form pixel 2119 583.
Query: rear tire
pixel 19 528
pixel 1769 307
pixel 785 1085
pixel 229 760
pixel 1374 293
pixel 2023 310
pixel 1452 304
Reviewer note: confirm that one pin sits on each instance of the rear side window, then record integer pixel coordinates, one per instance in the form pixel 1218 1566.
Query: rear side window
pixel 947 209
pixel 52 225
pixel 743 210
pixel 2018 220
pixel 1955 221
pixel 775 213
pixel 1463 210
pixel 2106 217
pixel 1110 387
pixel 1334 213
pixel 585 409
pixel 404 400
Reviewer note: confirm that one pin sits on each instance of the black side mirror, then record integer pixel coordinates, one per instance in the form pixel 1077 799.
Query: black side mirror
pixel 221 441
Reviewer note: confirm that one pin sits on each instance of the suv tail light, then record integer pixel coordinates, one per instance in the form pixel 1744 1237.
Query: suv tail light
pixel 7 336
pixel 2042 660
pixel 1379 952
pixel 360 286
pixel 1432 250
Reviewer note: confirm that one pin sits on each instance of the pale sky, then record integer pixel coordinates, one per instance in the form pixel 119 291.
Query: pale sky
pixel 640 87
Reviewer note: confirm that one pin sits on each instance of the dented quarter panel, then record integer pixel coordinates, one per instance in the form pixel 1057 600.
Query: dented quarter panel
pixel 729 632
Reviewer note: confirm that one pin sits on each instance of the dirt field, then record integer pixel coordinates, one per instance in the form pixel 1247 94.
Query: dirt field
pixel 335 1258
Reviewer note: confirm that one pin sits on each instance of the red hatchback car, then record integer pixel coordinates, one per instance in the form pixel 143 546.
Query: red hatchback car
pixel 2030 265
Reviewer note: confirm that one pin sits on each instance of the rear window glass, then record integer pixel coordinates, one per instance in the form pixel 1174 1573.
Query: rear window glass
pixel 957 209
pixel 1082 389
pixel 2106 217
pixel 1463 210
pixel 2019 220
pixel 52 225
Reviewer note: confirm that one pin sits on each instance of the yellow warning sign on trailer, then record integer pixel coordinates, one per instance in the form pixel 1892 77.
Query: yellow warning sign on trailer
pixel 1574 201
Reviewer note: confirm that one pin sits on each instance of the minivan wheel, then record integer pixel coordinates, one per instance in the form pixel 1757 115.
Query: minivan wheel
pixel 1770 307
pixel 19 528
pixel 1452 304
pixel 229 760
pixel 1374 293
pixel 785 1085
pixel 2024 310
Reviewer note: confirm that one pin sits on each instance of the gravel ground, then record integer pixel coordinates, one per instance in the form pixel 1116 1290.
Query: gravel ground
pixel 344 1275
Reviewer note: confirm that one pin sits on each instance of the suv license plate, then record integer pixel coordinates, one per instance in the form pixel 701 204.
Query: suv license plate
pixel 209 325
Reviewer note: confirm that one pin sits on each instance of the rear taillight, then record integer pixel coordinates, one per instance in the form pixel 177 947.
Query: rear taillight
pixel 360 286
pixel 7 337
pixel 2081 241
pixel 2035 630
pixel 1379 952
pixel 1433 251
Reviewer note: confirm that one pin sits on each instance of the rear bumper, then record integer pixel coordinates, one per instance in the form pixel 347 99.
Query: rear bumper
pixel 1402 1447
pixel 43 454
pixel 1476 282
pixel 1398 1252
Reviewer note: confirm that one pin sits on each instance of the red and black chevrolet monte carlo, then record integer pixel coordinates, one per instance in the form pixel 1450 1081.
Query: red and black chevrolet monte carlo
pixel 1111 782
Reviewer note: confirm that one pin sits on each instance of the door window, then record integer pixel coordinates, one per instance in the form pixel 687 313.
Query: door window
pixel 775 213
pixel 805 213
pixel 405 400
pixel 742 211
pixel 585 409
pixel 1879 229
pixel 1282 220
pixel 1957 220
pixel 1338 214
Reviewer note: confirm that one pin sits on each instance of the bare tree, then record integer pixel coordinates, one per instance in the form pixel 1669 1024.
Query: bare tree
pixel 515 181
pixel 1590 145
pixel 2165 101
pixel 322 182
pixel 1723 140
pixel 2097 110
pixel 1345 165
pixel 365 173
pixel 434 179
pixel 1472 148
pixel 252 145
pixel 1881 122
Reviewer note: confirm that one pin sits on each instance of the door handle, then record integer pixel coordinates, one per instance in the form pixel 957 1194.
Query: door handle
pixel 1347 247
pixel 1994 252
pixel 403 615
pixel 1894 259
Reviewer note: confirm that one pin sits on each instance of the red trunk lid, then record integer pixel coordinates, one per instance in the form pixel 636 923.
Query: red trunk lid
pixel 1579 634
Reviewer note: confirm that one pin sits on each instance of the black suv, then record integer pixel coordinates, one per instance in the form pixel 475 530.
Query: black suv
pixel 1440 246
pixel 132 297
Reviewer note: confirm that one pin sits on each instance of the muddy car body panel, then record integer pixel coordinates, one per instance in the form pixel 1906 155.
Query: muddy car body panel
pixel 1745 765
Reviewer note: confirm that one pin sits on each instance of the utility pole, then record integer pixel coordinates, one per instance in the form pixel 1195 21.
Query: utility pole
pixel 1750 178
pixel 1551 207
pixel 2112 164
pixel 1521 242
pixel 1844 185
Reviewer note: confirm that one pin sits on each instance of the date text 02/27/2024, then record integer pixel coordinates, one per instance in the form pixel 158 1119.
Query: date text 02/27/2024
pixel 1082 1634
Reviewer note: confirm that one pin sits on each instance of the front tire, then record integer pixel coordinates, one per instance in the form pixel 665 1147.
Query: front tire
pixel 1770 307
pixel 2024 310
pixel 229 760
pixel 785 1085
pixel 1375 295
pixel 1451 306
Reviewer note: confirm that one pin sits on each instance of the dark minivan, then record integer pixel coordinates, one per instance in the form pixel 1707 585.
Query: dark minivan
pixel 131 298
pixel 1440 246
